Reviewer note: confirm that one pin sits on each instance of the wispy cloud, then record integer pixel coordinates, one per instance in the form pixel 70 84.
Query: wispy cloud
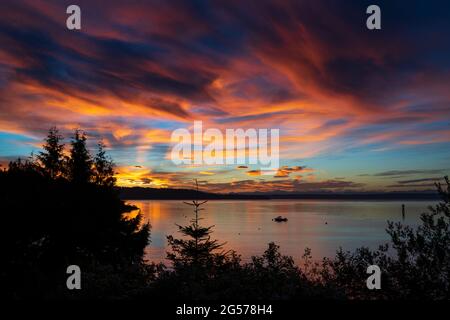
pixel 138 70
pixel 408 172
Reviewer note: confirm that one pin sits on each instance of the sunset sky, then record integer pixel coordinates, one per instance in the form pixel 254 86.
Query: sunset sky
pixel 357 109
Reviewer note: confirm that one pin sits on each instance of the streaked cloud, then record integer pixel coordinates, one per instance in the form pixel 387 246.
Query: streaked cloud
pixel 408 172
pixel 345 100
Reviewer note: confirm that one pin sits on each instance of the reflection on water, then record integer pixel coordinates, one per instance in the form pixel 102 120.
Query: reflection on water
pixel 247 226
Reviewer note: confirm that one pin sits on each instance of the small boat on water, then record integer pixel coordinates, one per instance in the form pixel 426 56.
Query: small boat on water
pixel 280 219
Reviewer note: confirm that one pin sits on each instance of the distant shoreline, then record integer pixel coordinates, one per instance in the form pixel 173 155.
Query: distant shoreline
pixel 139 193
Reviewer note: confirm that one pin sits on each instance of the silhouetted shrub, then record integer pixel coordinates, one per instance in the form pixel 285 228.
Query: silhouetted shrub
pixel 415 264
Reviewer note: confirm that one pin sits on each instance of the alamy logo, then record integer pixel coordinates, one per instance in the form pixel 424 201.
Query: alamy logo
pixel 374 20
pixel 236 146
pixel 74 280
pixel 374 281
pixel 73 22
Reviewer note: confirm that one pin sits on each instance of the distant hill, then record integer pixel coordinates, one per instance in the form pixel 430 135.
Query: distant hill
pixel 139 193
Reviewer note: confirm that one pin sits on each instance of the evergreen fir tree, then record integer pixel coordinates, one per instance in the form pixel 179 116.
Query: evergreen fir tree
pixel 104 168
pixel 80 161
pixel 67 221
pixel 198 250
pixel 52 158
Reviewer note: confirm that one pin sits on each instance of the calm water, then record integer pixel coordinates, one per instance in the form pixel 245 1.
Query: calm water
pixel 247 226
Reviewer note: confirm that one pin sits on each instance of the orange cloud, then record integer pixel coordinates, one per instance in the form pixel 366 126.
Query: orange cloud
pixel 285 171
pixel 254 172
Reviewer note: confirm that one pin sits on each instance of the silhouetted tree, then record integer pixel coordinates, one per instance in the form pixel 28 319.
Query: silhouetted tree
pixel 415 264
pixel 422 267
pixel 54 221
pixel 104 168
pixel 198 250
pixel 80 163
pixel 52 158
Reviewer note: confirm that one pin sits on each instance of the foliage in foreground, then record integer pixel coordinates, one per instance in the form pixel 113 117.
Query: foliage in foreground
pixel 415 265
pixel 61 208
pixel 203 271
